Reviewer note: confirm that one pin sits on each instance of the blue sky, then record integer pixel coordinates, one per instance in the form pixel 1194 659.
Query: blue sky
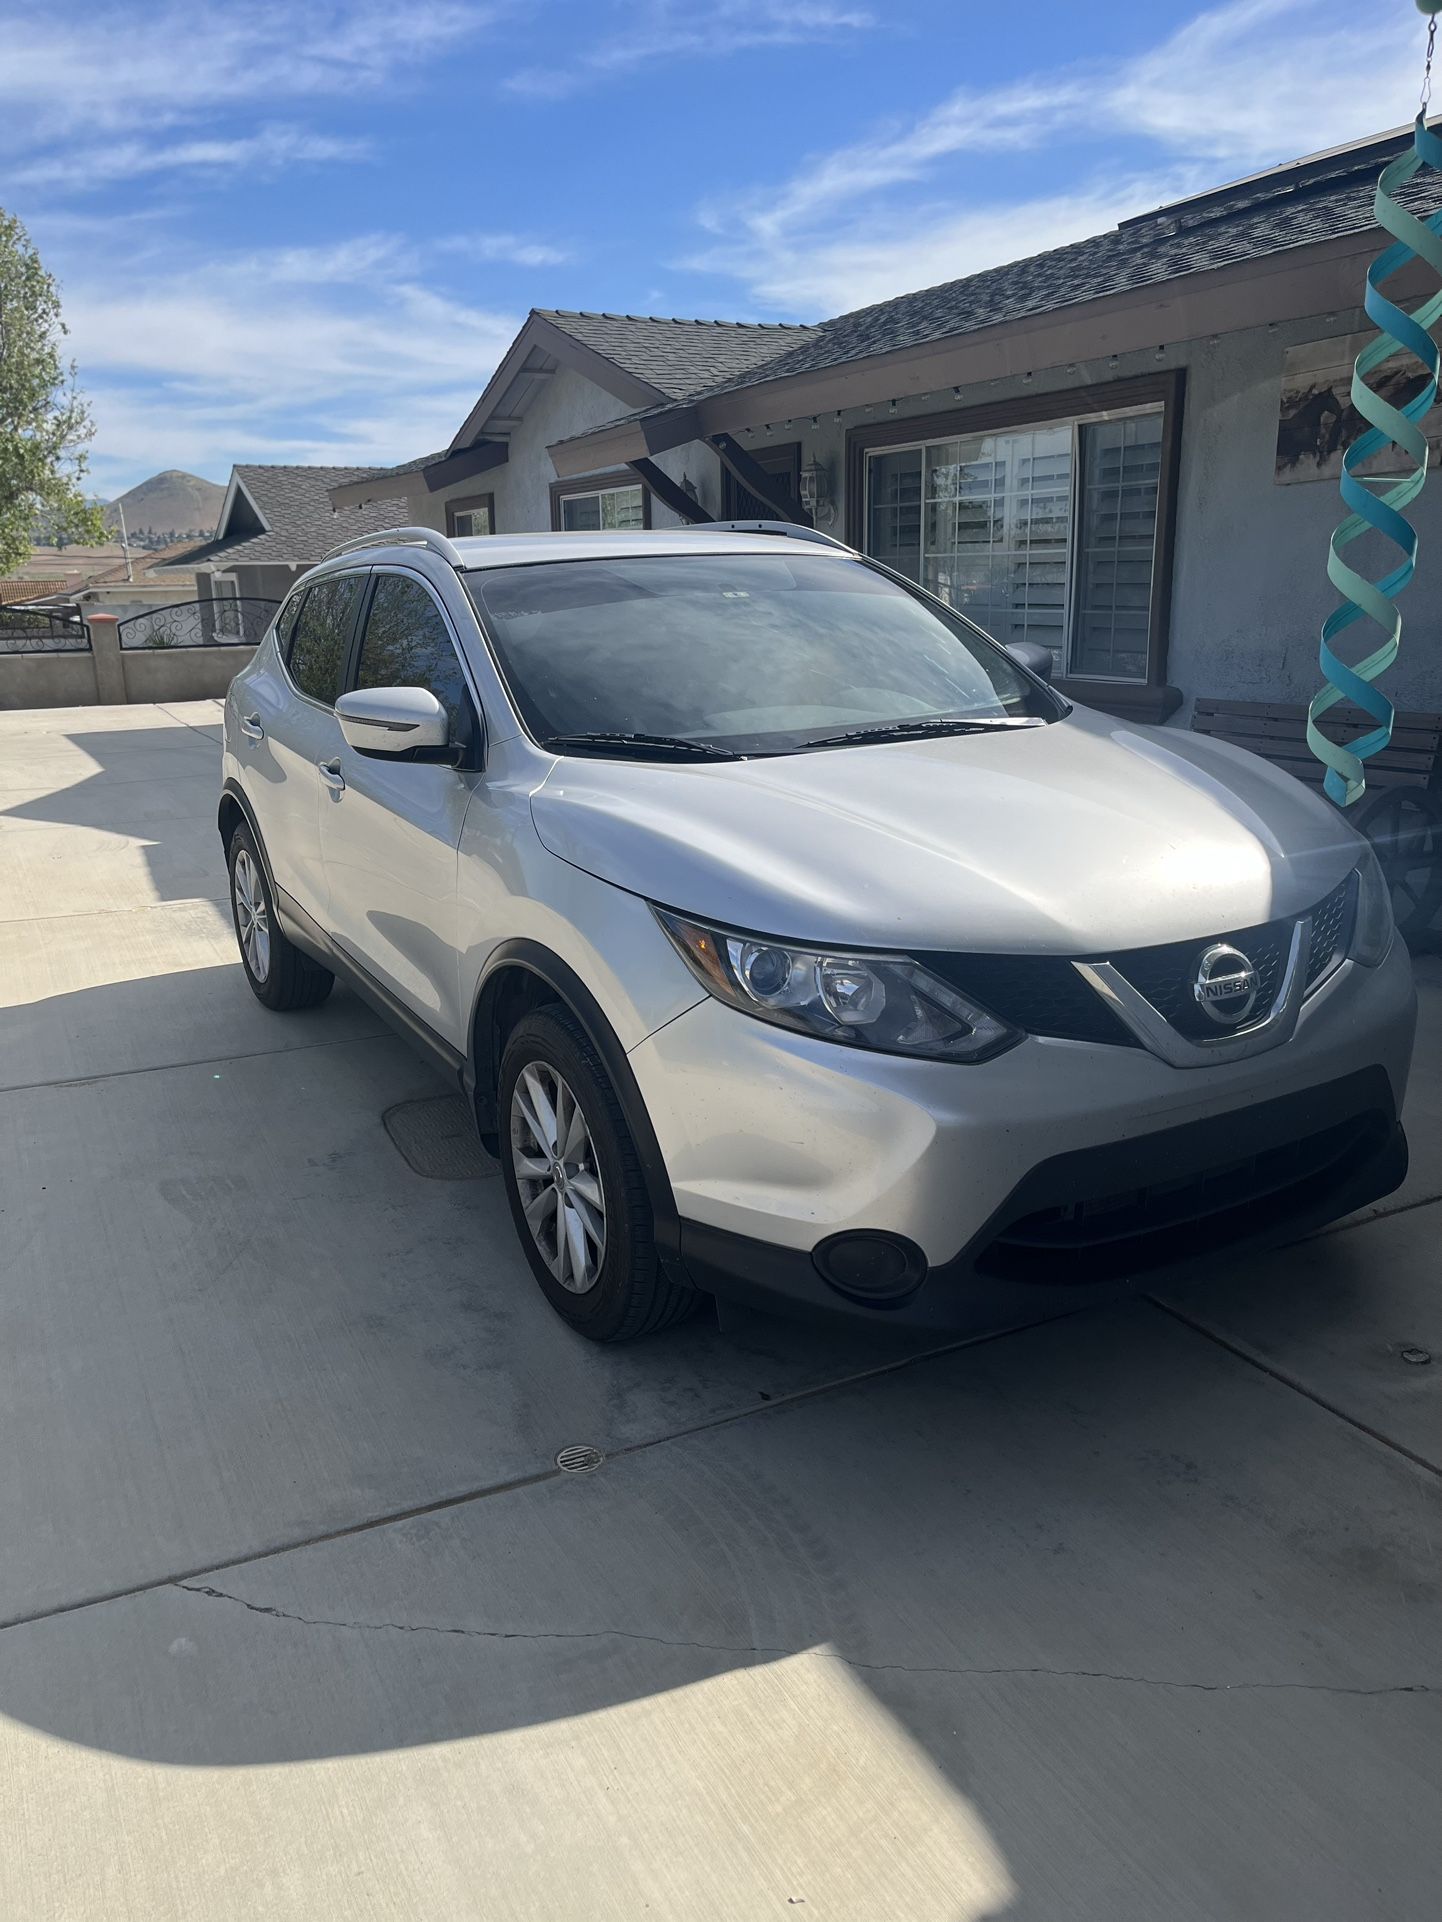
pixel 307 231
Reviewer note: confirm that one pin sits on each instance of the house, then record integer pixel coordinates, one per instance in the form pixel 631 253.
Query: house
pixel 1126 448
pixel 274 523
pixel 105 579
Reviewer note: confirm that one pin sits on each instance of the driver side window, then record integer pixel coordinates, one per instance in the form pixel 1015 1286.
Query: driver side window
pixel 408 644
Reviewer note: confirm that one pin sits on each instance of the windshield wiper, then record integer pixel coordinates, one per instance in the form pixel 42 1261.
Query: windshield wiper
pixel 934 725
pixel 658 743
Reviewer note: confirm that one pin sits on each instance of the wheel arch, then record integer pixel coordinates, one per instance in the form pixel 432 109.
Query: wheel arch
pixel 233 811
pixel 522 975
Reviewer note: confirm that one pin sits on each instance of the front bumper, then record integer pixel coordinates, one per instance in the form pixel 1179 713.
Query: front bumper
pixel 775 1143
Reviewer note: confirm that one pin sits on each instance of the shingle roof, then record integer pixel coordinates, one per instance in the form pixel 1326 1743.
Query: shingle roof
pixel 679 356
pixel 1314 200
pixel 302 525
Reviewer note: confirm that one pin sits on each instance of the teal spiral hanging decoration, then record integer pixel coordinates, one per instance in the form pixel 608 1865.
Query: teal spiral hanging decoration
pixel 1397 331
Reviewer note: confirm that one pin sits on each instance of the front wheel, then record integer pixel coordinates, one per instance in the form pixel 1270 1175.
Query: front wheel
pixel 575 1186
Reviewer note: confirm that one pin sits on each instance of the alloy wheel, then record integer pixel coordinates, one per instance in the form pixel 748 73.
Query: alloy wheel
pixel 557 1176
pixel 252 919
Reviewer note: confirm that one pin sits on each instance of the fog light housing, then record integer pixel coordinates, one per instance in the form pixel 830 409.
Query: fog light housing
pixel 868 1266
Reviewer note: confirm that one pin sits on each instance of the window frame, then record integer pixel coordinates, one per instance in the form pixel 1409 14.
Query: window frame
pixel 476 758
pixel 1150 697
pixel 608 483
pixel 468 505
pixel 363 574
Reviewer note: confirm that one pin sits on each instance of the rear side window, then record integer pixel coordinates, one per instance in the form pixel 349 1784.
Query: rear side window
pixel 322 635
pixel 407 644
pixel 285 623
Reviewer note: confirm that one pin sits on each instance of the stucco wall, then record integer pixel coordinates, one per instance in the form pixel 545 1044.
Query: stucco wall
pixel 134 674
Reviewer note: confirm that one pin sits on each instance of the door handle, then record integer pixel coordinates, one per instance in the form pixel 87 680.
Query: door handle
pixel 330 773
pixel 251 728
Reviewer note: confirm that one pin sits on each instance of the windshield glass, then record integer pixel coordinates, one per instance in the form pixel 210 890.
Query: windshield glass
pixel 756 653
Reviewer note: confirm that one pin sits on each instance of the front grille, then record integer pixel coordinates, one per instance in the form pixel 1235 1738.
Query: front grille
pixel 1331 930
pixel 1108 1236
pixel 1038 993
pixel 1043 994
pixel 1165 975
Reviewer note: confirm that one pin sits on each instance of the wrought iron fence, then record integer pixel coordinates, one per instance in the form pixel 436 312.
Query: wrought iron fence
pixel 42 630
pixel 236 621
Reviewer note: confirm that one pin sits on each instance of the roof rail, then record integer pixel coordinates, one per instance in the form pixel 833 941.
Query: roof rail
pixel 789 530
pixel 404 537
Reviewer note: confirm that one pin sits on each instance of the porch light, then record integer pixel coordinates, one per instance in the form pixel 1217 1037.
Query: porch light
pixel 816 491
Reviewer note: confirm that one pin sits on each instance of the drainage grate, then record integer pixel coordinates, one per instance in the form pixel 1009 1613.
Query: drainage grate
pixel 579 1459
pixel 438 1138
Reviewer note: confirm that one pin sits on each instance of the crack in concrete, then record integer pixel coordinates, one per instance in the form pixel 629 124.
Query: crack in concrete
pixel 761 1650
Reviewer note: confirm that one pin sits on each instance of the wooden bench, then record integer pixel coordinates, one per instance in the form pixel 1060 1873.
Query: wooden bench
pixel 1401 813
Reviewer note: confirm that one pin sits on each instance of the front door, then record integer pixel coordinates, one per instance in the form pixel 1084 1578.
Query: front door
pixel 390 827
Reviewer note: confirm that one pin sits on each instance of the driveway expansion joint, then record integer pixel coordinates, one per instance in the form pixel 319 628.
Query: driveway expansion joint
pixel 768 1653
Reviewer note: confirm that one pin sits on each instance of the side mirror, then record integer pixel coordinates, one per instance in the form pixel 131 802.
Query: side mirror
pixel 392 720
pixel 1031 654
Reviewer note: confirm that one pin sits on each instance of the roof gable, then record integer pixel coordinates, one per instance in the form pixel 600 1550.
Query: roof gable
pixel 640 359
pixel 284 515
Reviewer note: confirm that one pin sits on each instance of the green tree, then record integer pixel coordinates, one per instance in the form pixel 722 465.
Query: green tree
pixel 44 423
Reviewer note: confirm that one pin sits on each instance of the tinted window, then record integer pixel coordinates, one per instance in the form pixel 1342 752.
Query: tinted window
pixel 407 644
pixel 322 634
pixel 285 623
pixel 755 652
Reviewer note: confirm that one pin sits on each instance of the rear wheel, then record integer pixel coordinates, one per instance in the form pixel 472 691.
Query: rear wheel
pixel 575 1186
pixel 280 976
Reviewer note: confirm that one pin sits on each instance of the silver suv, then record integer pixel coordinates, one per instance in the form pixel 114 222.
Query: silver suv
pixel 795 942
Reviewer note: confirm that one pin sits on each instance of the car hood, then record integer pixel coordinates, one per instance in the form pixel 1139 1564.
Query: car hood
pixel 1081 837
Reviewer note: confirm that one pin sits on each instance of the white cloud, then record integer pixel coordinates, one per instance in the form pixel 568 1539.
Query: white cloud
pixel 515 250
pixel 123 66
pixel 668 30
pixel 266 152
pixel 337 353
pixel 1238 87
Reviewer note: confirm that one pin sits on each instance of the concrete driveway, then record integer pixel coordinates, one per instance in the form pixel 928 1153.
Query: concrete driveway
pixel 1127 1617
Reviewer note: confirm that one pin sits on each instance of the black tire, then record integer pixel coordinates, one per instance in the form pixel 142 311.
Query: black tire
pixel 630 1295
pixel 280 976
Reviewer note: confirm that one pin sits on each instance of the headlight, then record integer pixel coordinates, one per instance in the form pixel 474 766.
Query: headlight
pixel 879 1001
pixel 1373 928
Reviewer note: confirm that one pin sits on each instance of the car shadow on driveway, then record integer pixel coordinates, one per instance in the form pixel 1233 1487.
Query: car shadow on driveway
pixel 1102 1583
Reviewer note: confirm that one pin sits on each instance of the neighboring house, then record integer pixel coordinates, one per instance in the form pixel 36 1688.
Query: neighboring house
pixel 1126 448
pixel 274 523
pixel 104 580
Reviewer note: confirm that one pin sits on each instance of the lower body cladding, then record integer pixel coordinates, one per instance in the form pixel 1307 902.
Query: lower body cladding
pixel 924 1195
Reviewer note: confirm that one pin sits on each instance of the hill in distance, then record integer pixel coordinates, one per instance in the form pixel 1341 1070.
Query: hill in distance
pixel 172 505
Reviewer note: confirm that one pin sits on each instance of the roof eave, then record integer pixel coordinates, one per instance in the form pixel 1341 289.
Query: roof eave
pixel 445 472
pixel 1314 278
pixel 538 332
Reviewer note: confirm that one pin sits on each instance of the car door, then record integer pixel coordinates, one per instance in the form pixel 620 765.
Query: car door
pixel 288 728
pixel 390 826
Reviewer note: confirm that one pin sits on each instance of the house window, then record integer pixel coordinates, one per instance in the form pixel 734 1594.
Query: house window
pixel 475 515
pixel 600 509
pixel 1044 530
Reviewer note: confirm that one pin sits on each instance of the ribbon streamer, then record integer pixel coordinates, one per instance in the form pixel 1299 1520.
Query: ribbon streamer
pixel 1398 331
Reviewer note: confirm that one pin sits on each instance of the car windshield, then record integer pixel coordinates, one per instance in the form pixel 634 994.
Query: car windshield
pixel 743 653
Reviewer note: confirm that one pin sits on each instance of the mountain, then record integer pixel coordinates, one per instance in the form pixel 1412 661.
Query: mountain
pixel 172 504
